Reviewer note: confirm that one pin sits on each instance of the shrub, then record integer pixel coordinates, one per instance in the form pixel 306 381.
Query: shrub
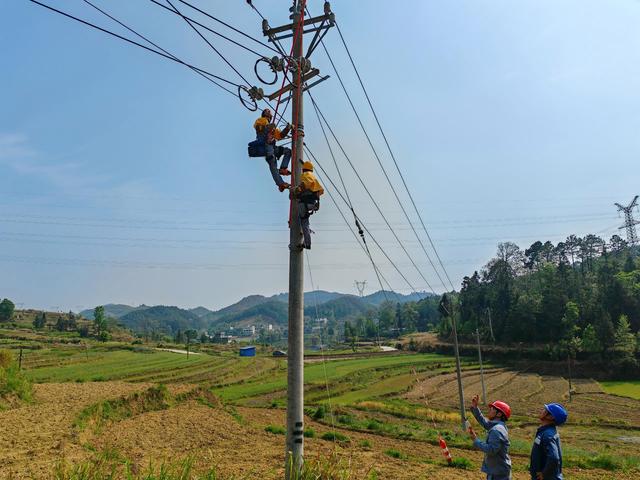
pixel 335 436
pixel 461 462
pixel 275 429
pixel 320 412
pixel 12 382
pixel 365 444
pixel 396 454
pixel 309 433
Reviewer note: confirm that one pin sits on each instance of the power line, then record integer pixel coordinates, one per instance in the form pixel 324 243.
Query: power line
pixel 384 171
pixel 195 29
pixel 214 31
pixel 139 35
pixel 133 42
pixel 319 112
pixel 337 190
pixel 393 156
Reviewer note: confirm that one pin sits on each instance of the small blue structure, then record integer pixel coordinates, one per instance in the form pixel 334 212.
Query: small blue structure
pixel 248 351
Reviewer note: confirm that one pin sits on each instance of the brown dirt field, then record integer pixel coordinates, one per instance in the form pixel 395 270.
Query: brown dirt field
pixel 35 437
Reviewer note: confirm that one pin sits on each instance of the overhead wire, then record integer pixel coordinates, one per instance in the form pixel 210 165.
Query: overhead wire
pixel 195 29
pixel 133 42
pixel 209 29
pixel 371 197
pixel 393 156
pixel 375 153
pixel 364 227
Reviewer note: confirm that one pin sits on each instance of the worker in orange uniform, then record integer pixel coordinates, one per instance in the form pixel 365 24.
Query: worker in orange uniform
pixel 265 146
pixel 308 194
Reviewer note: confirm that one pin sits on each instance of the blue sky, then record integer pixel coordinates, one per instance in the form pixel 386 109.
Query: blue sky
pixel 125 176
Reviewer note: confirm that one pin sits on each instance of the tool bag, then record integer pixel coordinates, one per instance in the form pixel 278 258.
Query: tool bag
pixel 257 148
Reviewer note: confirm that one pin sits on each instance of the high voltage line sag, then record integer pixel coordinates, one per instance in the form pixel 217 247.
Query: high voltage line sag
pixel 322 118
pixel 393 156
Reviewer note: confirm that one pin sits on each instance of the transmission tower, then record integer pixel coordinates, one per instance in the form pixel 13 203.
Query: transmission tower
pixel 629 222
pixel 360 286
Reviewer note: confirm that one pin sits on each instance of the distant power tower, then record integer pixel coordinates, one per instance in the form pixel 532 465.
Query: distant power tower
pixel 360 286
pixel 629 222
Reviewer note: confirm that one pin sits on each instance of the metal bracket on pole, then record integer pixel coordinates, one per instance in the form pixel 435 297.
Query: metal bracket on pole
pixel 307 87
pixel 290 87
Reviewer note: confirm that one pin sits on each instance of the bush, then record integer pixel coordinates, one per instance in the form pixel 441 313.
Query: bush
pixel 12 382
pixel 335 437
pixel 275 429
pixel 365 444
pixel 309 433
pixel 462 463
pixel 396 454
pixel 320 412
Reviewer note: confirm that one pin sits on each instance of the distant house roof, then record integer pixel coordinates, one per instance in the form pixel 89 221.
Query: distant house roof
pixel 279 353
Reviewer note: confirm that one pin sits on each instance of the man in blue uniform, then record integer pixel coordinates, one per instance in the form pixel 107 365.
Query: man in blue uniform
pixel 546 453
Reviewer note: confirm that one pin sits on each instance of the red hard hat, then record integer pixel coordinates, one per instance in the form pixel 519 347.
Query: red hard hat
pixel 503 407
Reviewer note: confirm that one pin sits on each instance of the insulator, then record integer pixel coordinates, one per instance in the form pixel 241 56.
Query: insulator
pixel 265 25
pixel 276 64
pixel 327 8
pixel 256 93
pixel 332 19
pixel 304 63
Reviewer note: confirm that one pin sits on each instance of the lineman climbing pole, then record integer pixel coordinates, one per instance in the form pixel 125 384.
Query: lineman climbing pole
pixel 298 64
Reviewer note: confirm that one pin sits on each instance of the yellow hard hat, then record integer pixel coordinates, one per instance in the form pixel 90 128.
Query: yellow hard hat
pixel 307 166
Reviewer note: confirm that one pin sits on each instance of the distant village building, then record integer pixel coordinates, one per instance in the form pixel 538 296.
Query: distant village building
pixel 248 331
pixel 221 337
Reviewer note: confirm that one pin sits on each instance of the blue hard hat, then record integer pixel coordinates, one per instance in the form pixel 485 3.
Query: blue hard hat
pixel 557 411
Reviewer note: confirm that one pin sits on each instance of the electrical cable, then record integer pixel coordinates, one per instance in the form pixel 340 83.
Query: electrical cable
pixel 369 193
pixel 393 157
pixel 215 32
pixel 337 190
pixel 384 171
pixel 195 29
pixel 133 42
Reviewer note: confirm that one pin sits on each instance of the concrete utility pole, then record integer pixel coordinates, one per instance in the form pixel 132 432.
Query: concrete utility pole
pixel 301 72
pixel 629 222
pixel 295 354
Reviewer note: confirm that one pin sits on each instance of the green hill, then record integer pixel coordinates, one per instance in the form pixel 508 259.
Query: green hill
pixel 163 319
pixel 268 312
pixel 115 310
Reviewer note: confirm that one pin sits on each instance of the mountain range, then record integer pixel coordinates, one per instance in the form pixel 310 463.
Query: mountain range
pixel 251 310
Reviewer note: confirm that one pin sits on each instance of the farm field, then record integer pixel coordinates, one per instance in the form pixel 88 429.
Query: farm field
pixel 629 389
pixel 376 413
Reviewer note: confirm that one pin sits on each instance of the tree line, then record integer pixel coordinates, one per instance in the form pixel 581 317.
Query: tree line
pixel 581 295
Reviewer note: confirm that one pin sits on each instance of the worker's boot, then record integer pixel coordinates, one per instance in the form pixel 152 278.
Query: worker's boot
pixel 284 172
pixel 283 187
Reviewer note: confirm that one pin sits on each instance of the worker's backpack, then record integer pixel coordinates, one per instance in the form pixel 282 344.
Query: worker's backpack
pixel 257 148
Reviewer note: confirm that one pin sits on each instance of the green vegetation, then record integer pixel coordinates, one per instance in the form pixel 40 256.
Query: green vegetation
pixel 102 365
pixel 335 437
pixel 12 381
pixel 461 462
pixel 580 296
pixel 276 429
pixel 155 398
pixel 396 454
pixel 629 389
